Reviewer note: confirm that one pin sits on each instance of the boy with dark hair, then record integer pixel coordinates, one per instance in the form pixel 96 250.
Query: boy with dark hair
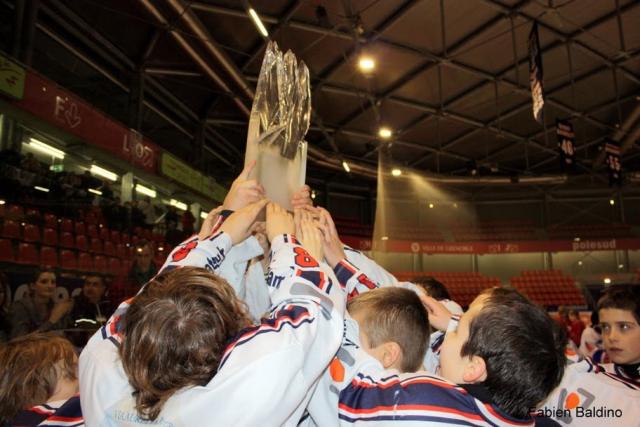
pixel 605 394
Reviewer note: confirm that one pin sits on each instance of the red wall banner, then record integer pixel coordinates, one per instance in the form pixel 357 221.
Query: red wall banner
pixel 59 107
pixel 407 246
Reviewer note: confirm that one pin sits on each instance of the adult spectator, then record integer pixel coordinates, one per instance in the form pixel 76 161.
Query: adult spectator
pixel 171 217
pixel 39 377
pixel 188 221
pixel 38 311
pixel 91 308
pixel 576 326
pixel 5 300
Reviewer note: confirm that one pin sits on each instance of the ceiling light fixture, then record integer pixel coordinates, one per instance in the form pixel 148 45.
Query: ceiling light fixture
pixel 146 191
pixel 366 64
pixel 94 191
pixel 105 173
pixel 346 167
pixel 385 132
pixel 43 189
pixel 258 22
pixel 612 202
pixel 46 149
pixel 396 172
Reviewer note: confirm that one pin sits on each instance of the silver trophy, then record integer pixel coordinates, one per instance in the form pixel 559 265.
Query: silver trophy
pixel 278 124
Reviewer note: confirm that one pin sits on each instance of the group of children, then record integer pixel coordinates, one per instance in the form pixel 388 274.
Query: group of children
pixel 322 337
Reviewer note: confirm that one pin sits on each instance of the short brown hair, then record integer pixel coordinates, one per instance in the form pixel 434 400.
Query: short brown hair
pixel 395 314
pixel 623 298
pixel 175 333
pixel 30 367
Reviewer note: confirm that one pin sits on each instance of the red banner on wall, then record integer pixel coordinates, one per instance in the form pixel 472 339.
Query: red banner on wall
pixel 584 245
pixel 59 107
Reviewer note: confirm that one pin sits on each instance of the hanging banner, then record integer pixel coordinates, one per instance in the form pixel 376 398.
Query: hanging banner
pixel 566 138
pixel 535 74
pixel 612 151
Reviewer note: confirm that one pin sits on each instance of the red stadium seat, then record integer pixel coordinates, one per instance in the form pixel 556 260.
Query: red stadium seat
pixel 96 245
pixel 66 240
pixel 109 248
pixel 81 243
pixel 100 264
pixel 66 225
pixel 11 229
pixel 31 233
pixel 49 256
pixel 124 238
pixel 114 266
pixel 6 251
pixel 27 254
pixel 126 266
pixel 80 229
pixel 104 233
pixel 92 230
pixel 51 221
pixel 85 261
pixel 50 237
pixel 15 212
pixel 121 250
pixel 68 260
pixel 115 236
pixel 33 215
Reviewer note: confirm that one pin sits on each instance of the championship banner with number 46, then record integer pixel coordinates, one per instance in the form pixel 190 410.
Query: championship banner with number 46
pixel 535 74
pixel 566 143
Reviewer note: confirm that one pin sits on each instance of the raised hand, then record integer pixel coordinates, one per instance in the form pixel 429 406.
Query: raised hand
pixel 332 246
pixel 239 223
pixel 243 191
pixel 302 198
pixel 279 221
pixel 210 221
pixel 310 235
pixel 439 315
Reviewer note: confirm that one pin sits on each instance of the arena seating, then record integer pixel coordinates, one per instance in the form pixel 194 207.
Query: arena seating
pixel 83 245
pixel 549 287
pixel 596 231
pixel 494 231
pixel 462 286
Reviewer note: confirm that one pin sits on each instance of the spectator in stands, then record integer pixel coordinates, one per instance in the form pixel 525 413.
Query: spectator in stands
pixel 149 211
pixel 39 377
pixel 563 318
pixel 143 268
pixel 91 308
pixel 172 235
pixel 37 311
pixel 30 163
pixel 576 326
pixel 107 192
pixel 171 217
pixel 138 217
pixel 188 222
pixel 5 300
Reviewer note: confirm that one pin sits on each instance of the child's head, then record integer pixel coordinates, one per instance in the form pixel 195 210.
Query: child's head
pixel 175 333
pixel 434 288
pixel 35 369
pixel 619 313
pixel 510 346
pixel 394 327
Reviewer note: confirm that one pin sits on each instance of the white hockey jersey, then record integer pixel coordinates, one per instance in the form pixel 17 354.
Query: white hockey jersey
pixel 267 373
pixel 594 395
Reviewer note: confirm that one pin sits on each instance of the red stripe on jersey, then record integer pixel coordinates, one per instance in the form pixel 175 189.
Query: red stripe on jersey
pixel 397 408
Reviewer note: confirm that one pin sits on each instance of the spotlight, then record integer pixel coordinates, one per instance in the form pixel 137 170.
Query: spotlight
pixel 385 133
pixel 607 281
pixel 620 266
pixel 258 22
pixel 366 64
pixel 385 238
pixel 431 205
pixel 346 167
pixel 580 263
pixel 612 202
pixel 396 172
